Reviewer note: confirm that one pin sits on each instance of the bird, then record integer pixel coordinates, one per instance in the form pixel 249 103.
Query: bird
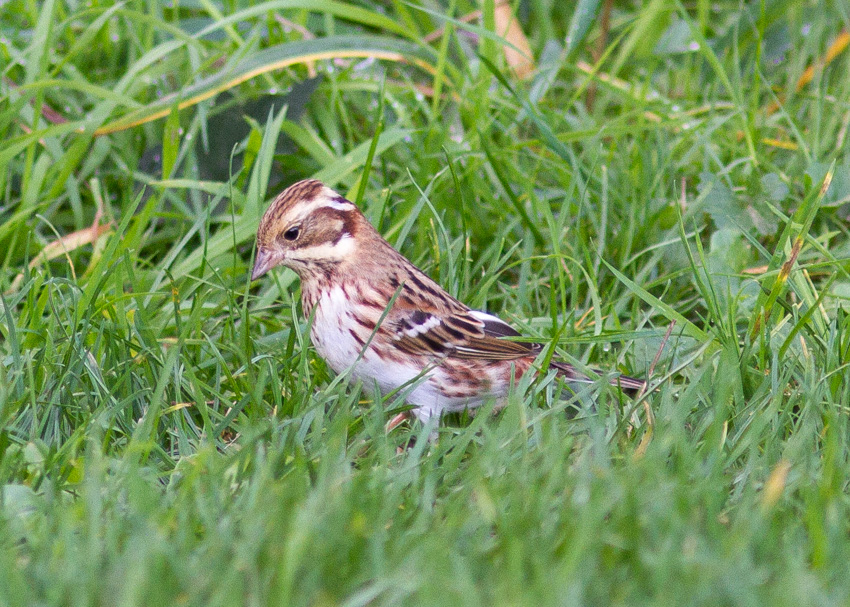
pixel 377 315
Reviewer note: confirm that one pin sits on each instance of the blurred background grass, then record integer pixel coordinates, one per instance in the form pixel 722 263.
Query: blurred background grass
pixel 659 187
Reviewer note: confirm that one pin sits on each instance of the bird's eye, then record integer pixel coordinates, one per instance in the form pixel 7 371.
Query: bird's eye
pixel 292 233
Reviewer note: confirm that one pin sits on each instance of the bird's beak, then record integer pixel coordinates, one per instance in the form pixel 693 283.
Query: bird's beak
pixel 264 262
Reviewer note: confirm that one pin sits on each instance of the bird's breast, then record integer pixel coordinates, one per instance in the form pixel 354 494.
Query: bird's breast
pixel 336 333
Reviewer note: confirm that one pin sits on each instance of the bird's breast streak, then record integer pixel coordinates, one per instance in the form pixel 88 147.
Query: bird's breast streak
pixel 331 331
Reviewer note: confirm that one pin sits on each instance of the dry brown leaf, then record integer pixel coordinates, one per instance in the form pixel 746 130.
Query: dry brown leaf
pixel 437 33
pixel 64 245
pixel 774 487
pixel 520 61
pixel 841 42
pixel 838 45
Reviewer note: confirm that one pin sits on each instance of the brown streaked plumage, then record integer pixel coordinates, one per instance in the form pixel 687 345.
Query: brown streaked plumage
pixel 452 357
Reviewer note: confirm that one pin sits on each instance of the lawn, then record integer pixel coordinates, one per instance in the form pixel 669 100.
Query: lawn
pixel 659 187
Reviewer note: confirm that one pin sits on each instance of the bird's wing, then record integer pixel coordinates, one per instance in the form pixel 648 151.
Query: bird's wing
pixel 444 327
pixel 456 332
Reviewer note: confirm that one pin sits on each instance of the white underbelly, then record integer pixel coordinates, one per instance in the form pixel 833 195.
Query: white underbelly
pixel 332 336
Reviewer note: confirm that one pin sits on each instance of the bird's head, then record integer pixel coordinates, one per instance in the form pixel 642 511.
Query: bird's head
pixel 308 227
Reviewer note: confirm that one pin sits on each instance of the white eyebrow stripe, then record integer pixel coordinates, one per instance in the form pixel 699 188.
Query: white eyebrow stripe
pixel 338 204
pixel 327 198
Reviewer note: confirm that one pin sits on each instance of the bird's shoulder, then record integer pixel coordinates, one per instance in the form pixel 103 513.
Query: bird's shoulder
pixel 425 319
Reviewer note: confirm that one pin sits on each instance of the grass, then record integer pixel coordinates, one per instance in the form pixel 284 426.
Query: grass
pixel 168 435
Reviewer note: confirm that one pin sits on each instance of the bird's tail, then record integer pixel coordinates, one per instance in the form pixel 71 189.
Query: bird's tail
pixel 629 385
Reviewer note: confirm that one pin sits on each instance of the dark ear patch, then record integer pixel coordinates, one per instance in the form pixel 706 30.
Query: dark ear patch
pixel 323 226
